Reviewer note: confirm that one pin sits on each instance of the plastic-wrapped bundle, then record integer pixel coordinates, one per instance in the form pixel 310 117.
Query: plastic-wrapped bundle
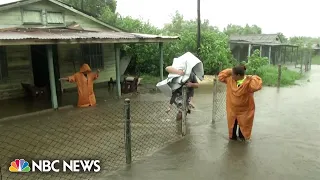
pixel 188 63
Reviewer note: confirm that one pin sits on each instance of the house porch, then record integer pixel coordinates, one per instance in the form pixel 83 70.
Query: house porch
pixel 42 62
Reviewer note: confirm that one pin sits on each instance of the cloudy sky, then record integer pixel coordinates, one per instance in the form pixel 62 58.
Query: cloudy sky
pixel 293 18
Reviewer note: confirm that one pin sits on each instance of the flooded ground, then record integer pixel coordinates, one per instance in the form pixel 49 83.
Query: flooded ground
pixel 20 106
pixel 285 141
pixel 87 133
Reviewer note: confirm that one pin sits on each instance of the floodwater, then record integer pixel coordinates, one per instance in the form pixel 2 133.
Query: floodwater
pixel 20 106
pixel 284 146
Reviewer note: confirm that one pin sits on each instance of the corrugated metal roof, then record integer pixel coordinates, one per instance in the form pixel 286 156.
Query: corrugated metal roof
pixel 263 44
pixel 67 34
pixel 257 38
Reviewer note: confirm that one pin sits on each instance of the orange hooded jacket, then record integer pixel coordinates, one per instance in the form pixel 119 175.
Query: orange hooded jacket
pixel 240 102
pixel 86 96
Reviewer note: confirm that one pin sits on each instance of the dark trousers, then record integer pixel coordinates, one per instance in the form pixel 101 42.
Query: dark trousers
pixel 234 132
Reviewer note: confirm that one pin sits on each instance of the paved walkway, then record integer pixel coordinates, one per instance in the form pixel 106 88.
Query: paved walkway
pixel 285 143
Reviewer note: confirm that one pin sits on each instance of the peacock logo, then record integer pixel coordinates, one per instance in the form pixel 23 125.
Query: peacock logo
pixel 19 165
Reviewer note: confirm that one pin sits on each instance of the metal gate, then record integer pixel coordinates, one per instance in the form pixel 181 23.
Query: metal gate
pixel 219 101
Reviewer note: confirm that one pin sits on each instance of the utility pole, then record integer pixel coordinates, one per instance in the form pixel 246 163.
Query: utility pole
pixel 199 31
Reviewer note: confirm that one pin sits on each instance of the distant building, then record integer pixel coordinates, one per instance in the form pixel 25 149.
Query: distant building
pixel 316 49
pixel 269 45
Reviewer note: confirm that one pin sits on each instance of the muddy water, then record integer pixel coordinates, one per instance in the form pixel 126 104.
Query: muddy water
pixel 285 141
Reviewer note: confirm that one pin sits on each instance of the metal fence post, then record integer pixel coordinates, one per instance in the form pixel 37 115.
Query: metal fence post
pixel 184 111
pixel 296 58
pixel 214 99
pixel 279 75
pixel 127 130
pixel 310 60
pixel 301 62
pixel 306 61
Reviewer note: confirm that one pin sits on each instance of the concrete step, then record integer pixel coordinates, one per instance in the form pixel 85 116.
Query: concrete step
pixel 11 93
pixel 10 86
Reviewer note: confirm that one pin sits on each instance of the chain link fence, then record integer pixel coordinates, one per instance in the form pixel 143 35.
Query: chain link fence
pixel 151 129
pixel 219 101
pixel 96 133
pixel 298 59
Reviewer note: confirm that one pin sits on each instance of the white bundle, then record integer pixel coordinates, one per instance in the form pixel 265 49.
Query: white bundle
pixel 188 63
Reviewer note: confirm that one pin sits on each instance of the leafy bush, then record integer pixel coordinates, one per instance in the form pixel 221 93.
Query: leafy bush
pixel 260 66
pixel 255 62
pixel 269 75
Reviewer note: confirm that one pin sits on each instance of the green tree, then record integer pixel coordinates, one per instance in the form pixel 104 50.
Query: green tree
pixel 303 41
pixel 175 27
pixel 93 7
pixel 236 29
pixel 109 17
pixel 214 53
pixel 214 48
pixel 283 38
pixel 145 57
pixel 179 25
pixel 214 44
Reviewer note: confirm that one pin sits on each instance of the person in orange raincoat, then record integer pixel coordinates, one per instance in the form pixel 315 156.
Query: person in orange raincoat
pixel 240 102
pixel 84 80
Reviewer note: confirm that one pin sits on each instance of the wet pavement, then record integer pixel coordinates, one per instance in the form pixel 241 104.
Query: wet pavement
pixel 285 141
pixel 87 133
pixel 21 106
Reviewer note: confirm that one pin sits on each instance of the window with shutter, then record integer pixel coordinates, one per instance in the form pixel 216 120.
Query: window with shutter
pixel 55 18
pixel 32 17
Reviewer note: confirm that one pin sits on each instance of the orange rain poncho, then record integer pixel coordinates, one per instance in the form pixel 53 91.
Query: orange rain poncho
pixel 86 96
pixel 240 102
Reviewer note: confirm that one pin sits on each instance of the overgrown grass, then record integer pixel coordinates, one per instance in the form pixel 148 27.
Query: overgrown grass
pixel 148 79
pixel 316 60
pixel 269 75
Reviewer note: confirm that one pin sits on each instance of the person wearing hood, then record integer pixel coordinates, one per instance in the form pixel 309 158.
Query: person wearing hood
pixel 84 80
pixel 240 104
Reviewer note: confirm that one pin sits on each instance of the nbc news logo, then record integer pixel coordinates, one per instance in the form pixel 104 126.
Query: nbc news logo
pixel 20 165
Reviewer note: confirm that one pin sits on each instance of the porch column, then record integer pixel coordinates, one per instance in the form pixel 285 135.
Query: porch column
pixel 161 60
pixel 249 50
pixel 285 55
pixel 296 57
pixel 118 76
pixel 260 51
pixel 54 99
pixel 239 53
pixel 292 54
pixel 269 54
pixel 280 55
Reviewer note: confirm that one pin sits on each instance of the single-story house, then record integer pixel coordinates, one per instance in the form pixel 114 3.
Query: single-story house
pixel 270 46
pixel 316 49
pixel 43 40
